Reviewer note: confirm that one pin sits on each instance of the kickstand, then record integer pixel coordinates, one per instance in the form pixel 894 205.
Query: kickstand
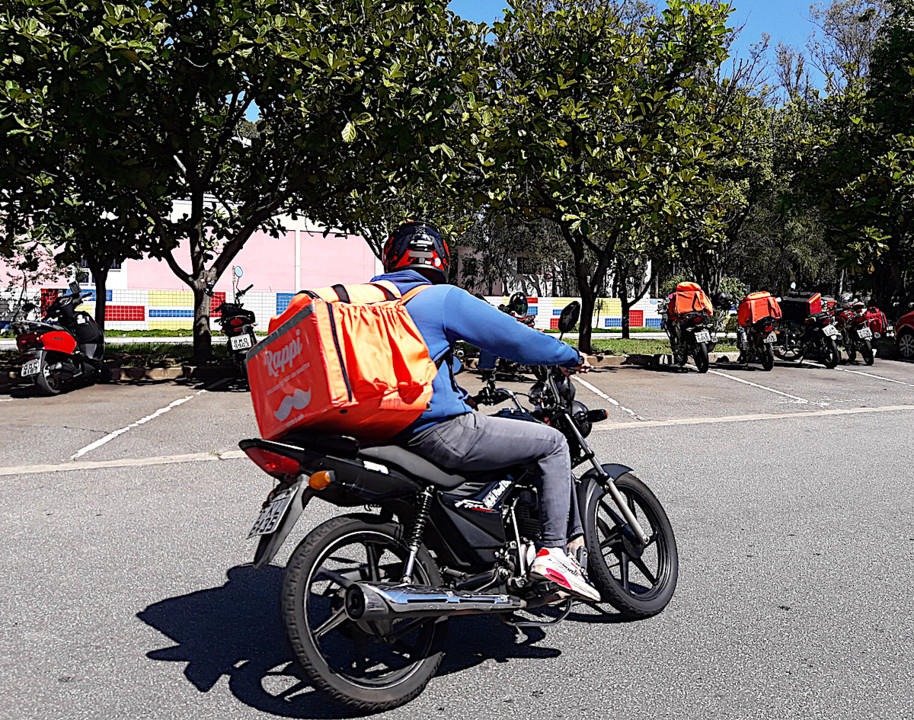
pixel 565 609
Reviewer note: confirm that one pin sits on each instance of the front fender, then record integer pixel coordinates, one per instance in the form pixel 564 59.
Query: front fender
pixel 590 490
pixel 269 545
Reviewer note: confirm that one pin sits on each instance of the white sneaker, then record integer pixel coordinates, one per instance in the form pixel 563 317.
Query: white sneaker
pixel 555 565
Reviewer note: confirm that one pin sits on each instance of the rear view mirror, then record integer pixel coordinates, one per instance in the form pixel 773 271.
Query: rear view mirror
pixel 74 288
pixel 569 317
pixel 518 304
pixel 238 271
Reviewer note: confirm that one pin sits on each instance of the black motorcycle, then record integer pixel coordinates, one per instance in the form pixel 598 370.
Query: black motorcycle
pixel 237 324
pixel 67 344
pixel 802 334
pixel 755 342
pixel 689 334
pixel 366 596
pixel 856 335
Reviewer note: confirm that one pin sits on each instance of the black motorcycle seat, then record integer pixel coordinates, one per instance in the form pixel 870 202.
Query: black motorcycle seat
pixel 413 464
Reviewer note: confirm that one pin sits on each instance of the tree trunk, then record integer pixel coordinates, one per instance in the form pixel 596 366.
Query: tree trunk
pixel 626 317
pixel 585 329
pixel 203 340
pixel 100 276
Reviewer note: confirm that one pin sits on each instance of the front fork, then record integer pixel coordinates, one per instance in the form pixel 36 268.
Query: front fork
pixel 607 482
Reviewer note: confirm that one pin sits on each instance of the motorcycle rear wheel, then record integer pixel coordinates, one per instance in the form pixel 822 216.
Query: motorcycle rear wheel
pixel 768 357
pixel 638 582
pixel 866 351
pixel 832 355
pixel 342 657
pixel 702 360
pixel 48 382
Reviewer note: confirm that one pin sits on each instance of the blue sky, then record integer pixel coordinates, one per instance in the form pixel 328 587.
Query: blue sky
pixel 784 20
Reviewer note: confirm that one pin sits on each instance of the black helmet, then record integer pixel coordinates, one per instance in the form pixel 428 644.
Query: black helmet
pixel 418 246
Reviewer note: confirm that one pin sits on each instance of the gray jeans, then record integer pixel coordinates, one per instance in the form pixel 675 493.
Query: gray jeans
pixel 474 442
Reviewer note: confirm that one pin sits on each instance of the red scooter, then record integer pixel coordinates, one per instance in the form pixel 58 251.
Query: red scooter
pixel 67 344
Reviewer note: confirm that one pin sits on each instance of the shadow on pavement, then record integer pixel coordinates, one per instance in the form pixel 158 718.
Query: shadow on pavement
pixel 235 630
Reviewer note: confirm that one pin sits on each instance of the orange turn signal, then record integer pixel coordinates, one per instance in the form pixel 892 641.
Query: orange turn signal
pixel 320 480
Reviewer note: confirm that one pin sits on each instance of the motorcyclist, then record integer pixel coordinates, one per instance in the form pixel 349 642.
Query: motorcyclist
pixel 454 437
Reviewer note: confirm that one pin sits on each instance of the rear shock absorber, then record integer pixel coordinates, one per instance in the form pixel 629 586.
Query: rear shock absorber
pixel 424 501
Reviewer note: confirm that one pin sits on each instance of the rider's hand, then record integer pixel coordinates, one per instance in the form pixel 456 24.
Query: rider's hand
pixel 584 367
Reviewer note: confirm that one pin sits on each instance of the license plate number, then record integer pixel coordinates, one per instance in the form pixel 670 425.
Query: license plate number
pixel 32 367
pixel 273 512
pixel 771 338
pixel 242 342
pixel 864 333
pixel 830 331
pixel 703 336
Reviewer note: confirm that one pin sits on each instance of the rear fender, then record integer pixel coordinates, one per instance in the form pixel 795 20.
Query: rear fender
pixel 270 544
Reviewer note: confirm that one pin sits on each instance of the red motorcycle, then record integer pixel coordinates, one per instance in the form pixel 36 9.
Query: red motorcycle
pixel 67 344
pixel 853 321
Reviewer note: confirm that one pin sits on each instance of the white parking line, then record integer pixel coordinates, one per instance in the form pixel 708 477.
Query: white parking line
pixel 599 393
pixel 878 377
pixel 798 400
pixel 110 436
pixel 605 427
pixel 121 463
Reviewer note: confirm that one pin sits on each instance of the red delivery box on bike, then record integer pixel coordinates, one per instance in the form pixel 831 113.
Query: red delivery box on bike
pixel 800 305
pixel 345 360
pixel 689 297
pixel 756 306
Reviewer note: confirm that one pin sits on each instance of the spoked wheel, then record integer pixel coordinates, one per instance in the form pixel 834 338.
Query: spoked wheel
pixel 48 381
pixel 702 360
pixel 768 357
pixel 867 352
pixel 637 581
pixel 370 666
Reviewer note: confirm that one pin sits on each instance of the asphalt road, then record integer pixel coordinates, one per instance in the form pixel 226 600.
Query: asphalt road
pixel 127 591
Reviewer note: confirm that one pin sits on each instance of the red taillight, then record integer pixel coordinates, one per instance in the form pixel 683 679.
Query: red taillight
pixel 273 463
pixel 235 322
pixel 699 320
pixel 769 328
pixel 29 340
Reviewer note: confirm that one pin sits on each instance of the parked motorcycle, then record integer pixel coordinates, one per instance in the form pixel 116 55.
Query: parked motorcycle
pixel 517 308
pixel 853 322
pixel 237 324
pixel 687 318
pixel 806 330
pixel 755 335
pixel 366 597
pixel 67 344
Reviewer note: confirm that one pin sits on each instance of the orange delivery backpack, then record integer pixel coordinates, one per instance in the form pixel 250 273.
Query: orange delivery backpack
pixel 689 297
pixel 344 360
pixel 756 306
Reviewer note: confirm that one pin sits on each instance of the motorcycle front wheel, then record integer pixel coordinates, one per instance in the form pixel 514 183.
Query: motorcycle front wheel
pixel 637 581
pixel 366 666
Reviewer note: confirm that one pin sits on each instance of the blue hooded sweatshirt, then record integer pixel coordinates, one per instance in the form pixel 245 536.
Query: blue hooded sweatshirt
pixel 445 314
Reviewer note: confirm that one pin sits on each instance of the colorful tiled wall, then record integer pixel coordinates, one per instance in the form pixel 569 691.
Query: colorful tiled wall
pixel 174 309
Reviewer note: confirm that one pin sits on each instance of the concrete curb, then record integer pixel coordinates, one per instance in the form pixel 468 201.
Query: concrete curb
pixel 126 375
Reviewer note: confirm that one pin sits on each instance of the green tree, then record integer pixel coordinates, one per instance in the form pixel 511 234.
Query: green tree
pixel 597 123
pixel 354 98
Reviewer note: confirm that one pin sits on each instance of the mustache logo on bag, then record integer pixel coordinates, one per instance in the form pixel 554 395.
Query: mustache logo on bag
pixel 297 401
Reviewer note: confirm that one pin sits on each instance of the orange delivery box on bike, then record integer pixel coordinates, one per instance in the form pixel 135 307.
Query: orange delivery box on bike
pixel 756 306
pixel 345 360
pixel 689 297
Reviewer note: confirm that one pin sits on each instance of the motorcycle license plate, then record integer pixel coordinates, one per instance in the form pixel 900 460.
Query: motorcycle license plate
pixel 241 342
pixel 31 367
pixel 830 331
pixel 864 333
pixel 703 336
pixel 771 338
pixel 272 513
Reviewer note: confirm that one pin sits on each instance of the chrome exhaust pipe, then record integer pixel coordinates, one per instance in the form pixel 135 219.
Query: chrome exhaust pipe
pixel 377 601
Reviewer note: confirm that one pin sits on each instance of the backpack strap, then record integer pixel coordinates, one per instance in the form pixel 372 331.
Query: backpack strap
pixel 409 295
pixel 341 292
pixel 391 291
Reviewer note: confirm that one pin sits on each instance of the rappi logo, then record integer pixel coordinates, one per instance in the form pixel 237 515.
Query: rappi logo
pixel 276 362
